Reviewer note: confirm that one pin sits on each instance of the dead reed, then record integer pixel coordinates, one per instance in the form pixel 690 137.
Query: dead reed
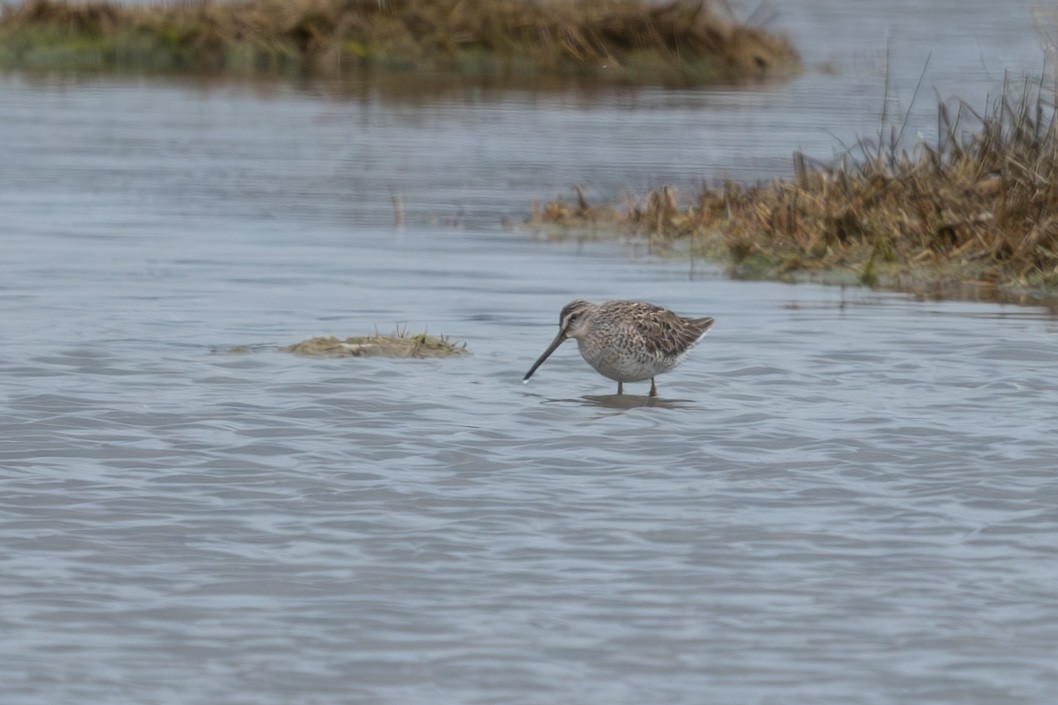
pixel 685 41
pixel 978 210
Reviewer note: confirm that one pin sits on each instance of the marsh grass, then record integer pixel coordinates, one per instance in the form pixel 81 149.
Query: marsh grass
pixel 975 212
pixel 683 42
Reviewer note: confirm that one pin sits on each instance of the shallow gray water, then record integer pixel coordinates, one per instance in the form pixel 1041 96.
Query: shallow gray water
pixel 843 496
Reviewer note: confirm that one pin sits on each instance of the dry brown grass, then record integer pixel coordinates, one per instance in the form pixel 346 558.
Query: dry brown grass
pixel 629 40
pixel 980 207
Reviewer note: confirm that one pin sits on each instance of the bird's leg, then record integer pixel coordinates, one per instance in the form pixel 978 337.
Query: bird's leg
pixel 620 387
pixel 653 389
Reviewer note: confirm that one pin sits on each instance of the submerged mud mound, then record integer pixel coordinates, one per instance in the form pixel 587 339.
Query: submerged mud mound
pixel 401 346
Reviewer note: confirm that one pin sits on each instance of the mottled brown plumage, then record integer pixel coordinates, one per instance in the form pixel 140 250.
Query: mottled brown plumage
pixel 627 341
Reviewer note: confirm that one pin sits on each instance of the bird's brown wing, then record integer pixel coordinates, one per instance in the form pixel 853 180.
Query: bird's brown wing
pixel 667 335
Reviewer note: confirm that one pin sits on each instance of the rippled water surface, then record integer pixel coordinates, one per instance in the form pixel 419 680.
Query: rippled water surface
pixel 841 496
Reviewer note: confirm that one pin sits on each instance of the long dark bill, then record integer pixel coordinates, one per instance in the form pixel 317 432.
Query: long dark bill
pixel 559 339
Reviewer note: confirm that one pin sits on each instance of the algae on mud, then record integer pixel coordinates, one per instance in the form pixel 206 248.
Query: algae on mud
pixel 633 41
pixel 973 216
pixel 400 345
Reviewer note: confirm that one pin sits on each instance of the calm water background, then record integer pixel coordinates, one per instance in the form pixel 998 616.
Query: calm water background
pixel 844 497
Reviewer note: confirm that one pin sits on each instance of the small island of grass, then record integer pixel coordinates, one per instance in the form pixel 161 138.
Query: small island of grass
pixel 633 41
pixel 398 345
pixel 973 216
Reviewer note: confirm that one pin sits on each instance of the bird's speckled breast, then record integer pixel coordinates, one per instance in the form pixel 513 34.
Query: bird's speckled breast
pixel 615 355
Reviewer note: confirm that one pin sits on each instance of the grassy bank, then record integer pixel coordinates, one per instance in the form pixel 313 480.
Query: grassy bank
pixel 682 42
pixel 975 215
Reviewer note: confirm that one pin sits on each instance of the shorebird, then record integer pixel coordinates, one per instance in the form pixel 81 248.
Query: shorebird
pixel 626 341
